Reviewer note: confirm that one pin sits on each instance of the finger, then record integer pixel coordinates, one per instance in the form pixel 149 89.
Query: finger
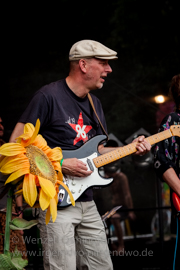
pixel 83 173
pixel 84 165
pixel 141 147
pixel 81 163
pixel 147 145
pixel 141 152
pixel 141 138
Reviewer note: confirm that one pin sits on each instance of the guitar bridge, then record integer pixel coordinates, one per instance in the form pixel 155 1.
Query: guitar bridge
pixel 90 164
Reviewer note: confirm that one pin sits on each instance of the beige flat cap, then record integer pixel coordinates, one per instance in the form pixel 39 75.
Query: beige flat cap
pixel 90 48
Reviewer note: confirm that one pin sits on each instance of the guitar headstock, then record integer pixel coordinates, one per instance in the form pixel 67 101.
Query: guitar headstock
pixel 175 130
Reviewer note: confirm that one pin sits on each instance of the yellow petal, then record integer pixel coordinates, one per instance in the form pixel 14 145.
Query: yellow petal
pixel 18 187
pixel 11 149
pixel 17 174
pixel 23 139
pixel 7 159
pixel 28 131
pixel 44 200
pixel 47 150
pixel 29 189
pixel 40 142
pixel 19 192
pixel 56 166
pixel 37 127
pixel 47 187
pixel 29 128
pixel 25 136
pixel 55 154
pixel 48 215
pixel 56 198
pixel 53 209
pixel 27 142
pixel 60 175
pixel 36 205
pixel 1 158
pixel 14 164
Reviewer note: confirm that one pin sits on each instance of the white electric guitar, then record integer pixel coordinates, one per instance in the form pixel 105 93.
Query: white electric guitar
pixel 89 154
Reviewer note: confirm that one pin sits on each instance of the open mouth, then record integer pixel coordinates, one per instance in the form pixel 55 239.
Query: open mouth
pixel 102 78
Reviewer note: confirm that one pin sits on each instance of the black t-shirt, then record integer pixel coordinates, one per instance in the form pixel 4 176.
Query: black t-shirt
pixel 67 121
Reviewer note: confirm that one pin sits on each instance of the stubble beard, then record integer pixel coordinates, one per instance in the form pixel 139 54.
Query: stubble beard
pixel 101 86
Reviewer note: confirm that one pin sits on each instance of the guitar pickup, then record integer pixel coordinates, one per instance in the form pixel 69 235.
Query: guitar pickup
pixel 90 164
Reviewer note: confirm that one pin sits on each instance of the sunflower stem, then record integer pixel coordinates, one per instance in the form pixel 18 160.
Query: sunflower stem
pixel 8 219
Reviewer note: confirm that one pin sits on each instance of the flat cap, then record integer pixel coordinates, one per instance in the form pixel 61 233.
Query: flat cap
pixel 89 49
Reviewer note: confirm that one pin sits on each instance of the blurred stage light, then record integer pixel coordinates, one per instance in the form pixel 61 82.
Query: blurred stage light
pixel 160 99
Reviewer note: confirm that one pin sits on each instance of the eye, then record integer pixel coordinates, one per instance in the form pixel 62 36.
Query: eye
pixel 103 63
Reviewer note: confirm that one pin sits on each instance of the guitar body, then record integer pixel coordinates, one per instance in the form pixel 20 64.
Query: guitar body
pixel 79 185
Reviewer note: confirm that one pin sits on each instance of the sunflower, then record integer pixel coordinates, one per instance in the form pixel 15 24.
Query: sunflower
pixel 35 169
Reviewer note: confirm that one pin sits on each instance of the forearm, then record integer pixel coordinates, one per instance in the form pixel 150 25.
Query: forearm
pixel 128 201
pixel 171 178
pixel 18 130
pixel 19 201
pixel 103 150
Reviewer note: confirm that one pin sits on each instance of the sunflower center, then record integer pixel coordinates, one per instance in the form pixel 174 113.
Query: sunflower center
pixel 40 164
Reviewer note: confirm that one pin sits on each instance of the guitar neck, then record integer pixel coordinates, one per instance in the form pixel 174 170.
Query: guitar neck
pixel 129 149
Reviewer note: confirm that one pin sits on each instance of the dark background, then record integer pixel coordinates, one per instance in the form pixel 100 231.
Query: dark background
pixel 36 39
pixel 35 42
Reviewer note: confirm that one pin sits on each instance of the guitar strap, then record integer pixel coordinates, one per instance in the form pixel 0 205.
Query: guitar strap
pixel 92 104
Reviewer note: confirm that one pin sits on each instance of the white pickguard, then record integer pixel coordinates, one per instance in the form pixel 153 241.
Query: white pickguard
pixel 78 185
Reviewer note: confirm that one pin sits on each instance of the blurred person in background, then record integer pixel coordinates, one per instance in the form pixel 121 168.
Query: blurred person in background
pixel 167 155
pixel 120 195
pixel 1 132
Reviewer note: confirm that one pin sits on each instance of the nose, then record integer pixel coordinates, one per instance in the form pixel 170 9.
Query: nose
pixel 108 68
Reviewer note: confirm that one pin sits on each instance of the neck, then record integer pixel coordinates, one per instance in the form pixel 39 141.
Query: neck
pixel 77 87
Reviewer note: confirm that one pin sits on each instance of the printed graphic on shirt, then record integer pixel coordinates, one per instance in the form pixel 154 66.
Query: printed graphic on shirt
pixel 81 130
pixel 166 125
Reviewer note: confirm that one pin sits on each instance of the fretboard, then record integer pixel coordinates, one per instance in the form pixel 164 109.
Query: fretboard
pixel 129 149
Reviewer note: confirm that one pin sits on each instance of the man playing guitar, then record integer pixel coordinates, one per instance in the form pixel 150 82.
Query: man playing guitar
pixel 68 121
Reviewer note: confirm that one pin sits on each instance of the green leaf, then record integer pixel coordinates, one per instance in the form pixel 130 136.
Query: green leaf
pixel 5 263
pixel 19 263
pixel 22 224
pixel 17 260
pixel 16 253
pixel 12 261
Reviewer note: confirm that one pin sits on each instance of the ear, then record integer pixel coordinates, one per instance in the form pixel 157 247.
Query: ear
pixel 83 65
